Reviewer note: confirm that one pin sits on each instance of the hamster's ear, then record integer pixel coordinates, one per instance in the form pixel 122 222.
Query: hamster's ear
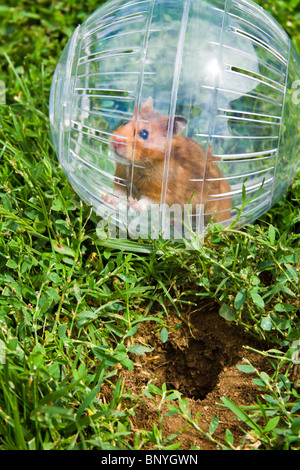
pixel 149 103
pixel 180 123
pixel 147 107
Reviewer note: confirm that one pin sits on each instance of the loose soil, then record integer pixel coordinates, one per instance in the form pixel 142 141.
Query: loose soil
pixel 198 359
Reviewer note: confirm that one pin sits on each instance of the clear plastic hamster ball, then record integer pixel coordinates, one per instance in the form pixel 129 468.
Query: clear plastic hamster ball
pixel 178 104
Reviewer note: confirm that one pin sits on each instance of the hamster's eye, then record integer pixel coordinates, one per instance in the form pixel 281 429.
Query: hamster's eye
pixel 144 134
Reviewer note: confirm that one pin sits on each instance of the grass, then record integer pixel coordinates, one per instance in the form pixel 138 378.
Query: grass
pixel 70 304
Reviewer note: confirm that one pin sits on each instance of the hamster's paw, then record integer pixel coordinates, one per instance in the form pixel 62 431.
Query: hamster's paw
pixel 139 205
pixel 111 200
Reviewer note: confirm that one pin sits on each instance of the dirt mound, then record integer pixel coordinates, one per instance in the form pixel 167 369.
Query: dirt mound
pixel 199 359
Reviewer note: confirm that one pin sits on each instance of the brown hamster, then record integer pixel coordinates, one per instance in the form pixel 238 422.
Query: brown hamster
pixel 144 138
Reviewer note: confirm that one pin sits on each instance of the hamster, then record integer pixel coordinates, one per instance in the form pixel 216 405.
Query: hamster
pixel 144 139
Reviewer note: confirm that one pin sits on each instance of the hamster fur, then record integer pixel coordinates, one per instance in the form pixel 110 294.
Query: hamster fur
pixel 142 144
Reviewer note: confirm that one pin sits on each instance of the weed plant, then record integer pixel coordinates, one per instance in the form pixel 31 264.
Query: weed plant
pixel 71 303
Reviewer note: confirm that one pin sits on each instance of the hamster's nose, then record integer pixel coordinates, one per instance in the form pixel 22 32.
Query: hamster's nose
pixel 118 144
pixel 118 141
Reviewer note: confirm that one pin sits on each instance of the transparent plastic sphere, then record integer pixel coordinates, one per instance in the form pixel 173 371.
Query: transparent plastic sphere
pixel 178 102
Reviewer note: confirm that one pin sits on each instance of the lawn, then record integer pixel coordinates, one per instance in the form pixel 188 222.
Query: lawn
pixel 109 344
